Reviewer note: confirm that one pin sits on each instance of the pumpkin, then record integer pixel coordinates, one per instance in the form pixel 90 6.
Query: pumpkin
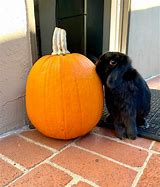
pixel 64 96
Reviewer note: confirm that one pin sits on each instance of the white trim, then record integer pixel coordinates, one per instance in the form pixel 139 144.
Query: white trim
pixel 31 27
pixel 119 25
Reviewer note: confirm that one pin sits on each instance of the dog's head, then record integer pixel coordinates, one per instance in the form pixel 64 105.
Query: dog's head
pixel 112 67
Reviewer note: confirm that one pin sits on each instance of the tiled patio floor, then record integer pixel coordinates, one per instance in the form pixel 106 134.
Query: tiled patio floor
pixel 28 159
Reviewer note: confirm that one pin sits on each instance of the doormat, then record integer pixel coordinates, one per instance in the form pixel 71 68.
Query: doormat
pixel 152 130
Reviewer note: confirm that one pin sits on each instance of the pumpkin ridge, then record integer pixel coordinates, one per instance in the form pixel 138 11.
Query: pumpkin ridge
pixel 61 61
pixel 56 69
pixel 100 97
pixel 87 61
pixel 49 73
pixel 77 88
pixel 87 64
pixel 44 62
pixel 45 94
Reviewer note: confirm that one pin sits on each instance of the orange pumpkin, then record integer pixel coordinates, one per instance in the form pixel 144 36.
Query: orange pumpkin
pixel 64 97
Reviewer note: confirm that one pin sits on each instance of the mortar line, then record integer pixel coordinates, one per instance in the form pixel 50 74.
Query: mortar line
pixel 76 178
pixel 152 144
pixel 37 165
pixel 122 142
pixel 14 132
pixel 74 181
pixel 56 152
pixel 47 160
pixel 29 170
pixel 67 146
pixel 72 174
pixel 13 163
pixel 108 158
pixel 140 173
pixel 37 143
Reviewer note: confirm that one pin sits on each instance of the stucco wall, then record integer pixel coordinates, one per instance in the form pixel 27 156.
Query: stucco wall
pixel 144 36
pixel 15 63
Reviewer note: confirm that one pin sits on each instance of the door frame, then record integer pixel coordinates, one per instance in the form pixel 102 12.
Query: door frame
pixel 119 25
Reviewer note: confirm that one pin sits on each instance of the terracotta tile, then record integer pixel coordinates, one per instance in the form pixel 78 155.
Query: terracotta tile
pixel 43 176
pixel 105 132
pixel 23 152
pixel 94 168
pixel 154 83
pixel 118 151
pixel 156 146
pixel 141 142
pixel 51 142
pixel 8 173
pixel 81 184
pixel 151 174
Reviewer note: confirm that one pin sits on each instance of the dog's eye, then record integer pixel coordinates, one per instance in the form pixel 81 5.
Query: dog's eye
pixel 113 63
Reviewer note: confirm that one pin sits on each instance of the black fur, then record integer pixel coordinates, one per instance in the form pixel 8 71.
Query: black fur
pixel 126 93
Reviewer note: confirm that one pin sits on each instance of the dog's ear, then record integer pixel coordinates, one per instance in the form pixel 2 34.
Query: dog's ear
pixel 129 75
pixel 100 69
pixel 116 76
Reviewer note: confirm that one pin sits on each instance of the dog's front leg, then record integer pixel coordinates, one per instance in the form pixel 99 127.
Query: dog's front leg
pixel 131 128
pixel 119 129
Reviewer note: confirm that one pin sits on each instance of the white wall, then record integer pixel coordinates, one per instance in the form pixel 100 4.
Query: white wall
pixel 144 36
pixel 15 63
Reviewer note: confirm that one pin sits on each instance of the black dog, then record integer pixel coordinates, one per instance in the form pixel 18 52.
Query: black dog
pixel 126 93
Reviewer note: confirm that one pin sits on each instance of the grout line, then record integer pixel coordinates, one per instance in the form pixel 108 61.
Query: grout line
pixel 43 162
pixel 119 141
pixel 137 178
pixel 29 170
pixel 13 163
pixel 76 177
pixel 74 181
pixel 64 148
pixel 129 144
pixel 140 173
pixel 152 144
pixel 152 77
pixel 37 143
pixel 108 158
pixel 14 132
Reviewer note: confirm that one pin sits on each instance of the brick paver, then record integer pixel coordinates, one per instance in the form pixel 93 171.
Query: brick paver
pixel 82 184
pixel 94 168
pixel 118 151
pixel 141 142
pixel 151 175
pixel 7 173
pixel 43 176
pixel 23 152
pixel 156 146
pixel 154 83
pixel 50 142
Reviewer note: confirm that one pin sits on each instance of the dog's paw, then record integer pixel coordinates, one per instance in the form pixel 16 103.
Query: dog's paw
pixel 120 132
pixel 121 136
pixel 132 136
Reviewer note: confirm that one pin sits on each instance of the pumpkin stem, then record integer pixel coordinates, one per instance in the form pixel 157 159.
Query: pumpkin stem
pixel 59 43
